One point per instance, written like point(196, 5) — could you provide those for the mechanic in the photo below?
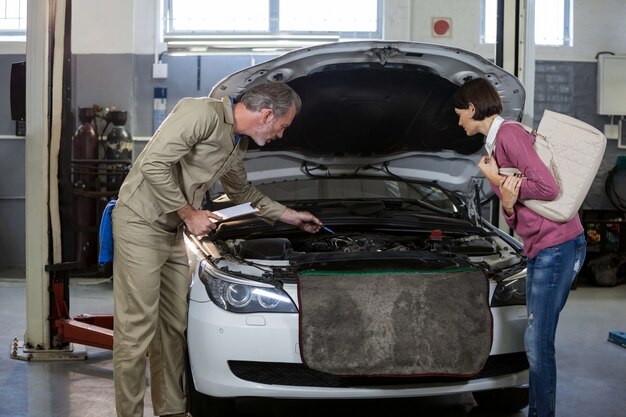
point(555, 251)
point(203, 140)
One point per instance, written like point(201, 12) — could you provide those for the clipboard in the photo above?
point(233, 212)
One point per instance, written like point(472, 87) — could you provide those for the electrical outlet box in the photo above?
point(611, 131)
point(159, 70)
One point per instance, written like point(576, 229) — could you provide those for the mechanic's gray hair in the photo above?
point(275, 95)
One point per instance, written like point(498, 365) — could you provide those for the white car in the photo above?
point(408, 291)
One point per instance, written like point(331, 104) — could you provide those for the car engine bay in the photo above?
point(370, 250)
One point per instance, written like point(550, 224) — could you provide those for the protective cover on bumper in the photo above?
point(395, 323)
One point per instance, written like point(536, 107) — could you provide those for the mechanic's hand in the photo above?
point(303, 220)
point(489, 168)
point(510, 192)
point(198, 222)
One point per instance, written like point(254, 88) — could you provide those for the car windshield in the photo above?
point(422, 195)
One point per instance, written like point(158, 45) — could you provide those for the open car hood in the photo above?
point(369, 105)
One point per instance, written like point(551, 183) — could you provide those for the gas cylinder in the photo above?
point(84, 173)
point(85, 140)
point(119, 146)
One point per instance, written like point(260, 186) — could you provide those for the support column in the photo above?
point(37, 336)
point(44, 25)
point(513, 54)
point(527, 71)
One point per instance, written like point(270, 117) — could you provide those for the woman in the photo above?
point(555, 251)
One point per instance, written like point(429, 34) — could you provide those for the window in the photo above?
point(12, 17)
point(195, 17)
point(356, 17)
point(552, 22)
point(253, 25)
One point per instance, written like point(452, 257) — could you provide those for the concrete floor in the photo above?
point(592, 371)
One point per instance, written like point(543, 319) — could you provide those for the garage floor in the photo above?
point(592, 371)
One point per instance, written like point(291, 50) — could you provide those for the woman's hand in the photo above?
point(489, 168)
point(510, 192)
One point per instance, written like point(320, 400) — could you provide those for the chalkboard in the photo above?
point(612, 85)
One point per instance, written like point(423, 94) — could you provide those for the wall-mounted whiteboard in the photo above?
point(612, 85)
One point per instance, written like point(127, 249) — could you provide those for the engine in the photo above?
point(284, 249)
point(356, 243)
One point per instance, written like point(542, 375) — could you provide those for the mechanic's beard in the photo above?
point(264, 135)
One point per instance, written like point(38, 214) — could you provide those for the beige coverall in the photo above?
point(192, 149)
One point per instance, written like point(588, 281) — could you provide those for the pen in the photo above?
point(328, 230)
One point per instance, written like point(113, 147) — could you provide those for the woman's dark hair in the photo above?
point(482, 94)
point(274, 95)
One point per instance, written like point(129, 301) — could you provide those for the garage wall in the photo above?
point(114, 44)
point(12, 201)
point(598, 26)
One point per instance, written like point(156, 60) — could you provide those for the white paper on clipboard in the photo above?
point(235, 211)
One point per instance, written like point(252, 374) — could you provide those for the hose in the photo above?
point(618, 201)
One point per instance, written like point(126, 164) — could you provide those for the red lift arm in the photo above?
point(87, 329)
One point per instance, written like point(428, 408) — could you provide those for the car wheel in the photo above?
point(502, 400)
point(201, 405)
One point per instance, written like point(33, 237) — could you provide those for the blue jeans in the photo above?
point(549, 279)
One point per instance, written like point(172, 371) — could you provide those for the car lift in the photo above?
point(87, 329)
point(50, 333)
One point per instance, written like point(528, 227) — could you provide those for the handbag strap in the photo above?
point(493, 146)
point(514, 171)
point(528, 129)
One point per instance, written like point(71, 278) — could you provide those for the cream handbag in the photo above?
point(572, 150)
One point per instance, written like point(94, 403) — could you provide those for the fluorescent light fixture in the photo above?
point(215, 44)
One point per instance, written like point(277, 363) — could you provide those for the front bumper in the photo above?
point(235, 355)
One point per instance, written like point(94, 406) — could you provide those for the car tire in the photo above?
point(201, 405)
point(502, 400)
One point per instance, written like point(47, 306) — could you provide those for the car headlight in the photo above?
point(510, 291)
point(243, 296)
